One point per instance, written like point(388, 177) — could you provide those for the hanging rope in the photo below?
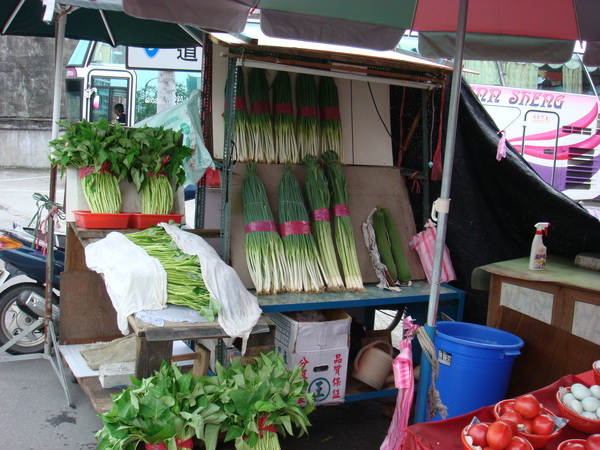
point(434, 402)
point(55, 211)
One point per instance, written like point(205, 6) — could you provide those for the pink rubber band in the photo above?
point(321, 215)
point(261, 106)
point(294, 227)
point(283, 108)
point(85, 171)
point(240, 103)
point(330, 113)
point(340, 210)
point(261, 225)
point(307, 111)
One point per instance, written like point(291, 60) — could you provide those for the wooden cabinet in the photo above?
point(563, 295)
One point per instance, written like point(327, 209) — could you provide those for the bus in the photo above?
point(549, 113)
point(97, 79)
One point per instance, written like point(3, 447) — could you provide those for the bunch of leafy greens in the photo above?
point(160, 409)
point(251, 404)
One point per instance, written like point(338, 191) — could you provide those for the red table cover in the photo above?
point(445, 434)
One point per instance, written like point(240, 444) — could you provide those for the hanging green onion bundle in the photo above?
point(307, 125)
point(300, 246)
point(331, 123)
point(241, 124)
point(344, 233)
point(283, 119)
point(318, 198)
point(265, 255)
point(101, 190)
point(261, 122)
point(185, 284)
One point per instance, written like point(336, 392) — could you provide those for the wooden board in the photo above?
point(549, 352)
point(86, 312)
point(99, 397)
point(367, 188)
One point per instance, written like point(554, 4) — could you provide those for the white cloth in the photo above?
point(134, 281)
point(239, 308)
point(172, 313)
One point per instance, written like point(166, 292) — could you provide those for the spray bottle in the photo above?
point(537, 259)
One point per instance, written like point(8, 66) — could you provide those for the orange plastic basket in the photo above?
point(575, 420)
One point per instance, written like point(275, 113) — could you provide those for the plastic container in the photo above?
point(143, 221)
point(475, 365)
point(596, 370)
point(89, 220)
point(576, 421)
point(563, 444)
point(467, 446)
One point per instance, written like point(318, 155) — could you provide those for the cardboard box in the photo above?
point(320, 348)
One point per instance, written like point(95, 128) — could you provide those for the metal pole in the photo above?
point(434, 294)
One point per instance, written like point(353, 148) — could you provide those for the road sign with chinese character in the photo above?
point(185, 59)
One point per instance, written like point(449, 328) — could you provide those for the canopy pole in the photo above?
point(434, 293)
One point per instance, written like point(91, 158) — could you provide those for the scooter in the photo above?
point(22, 286)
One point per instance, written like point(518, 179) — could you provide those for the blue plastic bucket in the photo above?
point(475, 365)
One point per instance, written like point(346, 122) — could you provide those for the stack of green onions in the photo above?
point(300, 246)
point(157, 195)
point(342, 225)
point(265, 254)
point(261, 139)
point(319, 199)
point(331, 124)
point(241, 124)
point(101, 190)
point(307, 123)
point(283, 119)
point(185, 284)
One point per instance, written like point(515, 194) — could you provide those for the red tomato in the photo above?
point(512, 415)
point(478, 432)
point(499, 435)
point(528, 426)
point(511, 424)
point(517, 443)
point(528, 406)
point(508, 406)
point(575, 446)
point(592, 442)
point(543, 424)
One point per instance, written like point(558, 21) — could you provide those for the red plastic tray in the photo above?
point(143, 221)
point(87, 219)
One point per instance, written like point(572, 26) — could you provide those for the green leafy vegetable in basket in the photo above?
point(185, 284)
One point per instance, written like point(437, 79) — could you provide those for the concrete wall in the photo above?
point(27, 86)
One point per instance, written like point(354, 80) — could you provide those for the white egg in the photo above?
point(576, 385)
point(595, 390)
point(576, 406)
point(589, 415)
point(580, 392)
point(598, 412)
point(590, 404)
point(568, 398)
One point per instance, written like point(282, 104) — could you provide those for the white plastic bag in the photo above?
point(134, 281)
point(239, 308)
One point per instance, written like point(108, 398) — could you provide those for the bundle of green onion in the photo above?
point(157, 195)
point(344, 232)
point(241, 124)
point(265, 255)
point(261, 139)
point(331, 124)
point(283, 119)
point(101, 190)
point(319, 199)
point(300, 246)
point(185, 284)
point(307, 123)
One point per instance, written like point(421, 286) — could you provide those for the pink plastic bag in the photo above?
point(424, 244)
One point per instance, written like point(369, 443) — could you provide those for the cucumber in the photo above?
point(382, 244)
point(396, 247)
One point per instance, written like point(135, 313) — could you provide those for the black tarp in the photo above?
point(495, 204)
